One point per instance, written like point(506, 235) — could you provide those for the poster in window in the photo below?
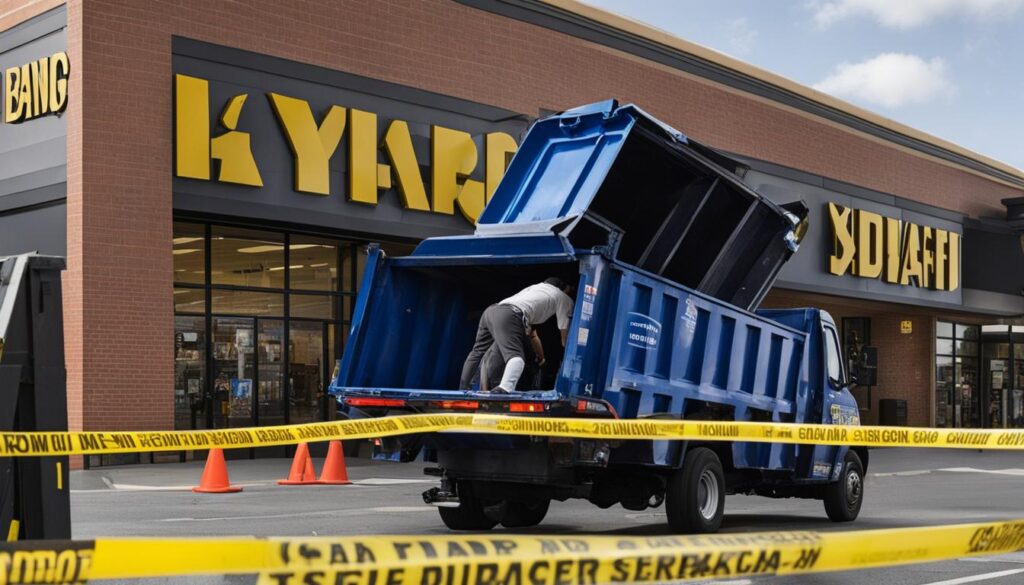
point(241, 397)
point(243, 338)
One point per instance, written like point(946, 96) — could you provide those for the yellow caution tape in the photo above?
point(13, 444)
point(511, 559)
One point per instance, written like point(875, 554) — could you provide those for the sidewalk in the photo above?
point(245, 472)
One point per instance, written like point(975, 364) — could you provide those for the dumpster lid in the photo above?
point(614, 176)
point(564, 161)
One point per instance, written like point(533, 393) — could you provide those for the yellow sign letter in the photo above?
point(312, 147)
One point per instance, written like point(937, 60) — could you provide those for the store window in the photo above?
point(257, 318)
point(959, 400)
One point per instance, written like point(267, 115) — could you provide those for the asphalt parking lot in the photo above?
point(905, 488)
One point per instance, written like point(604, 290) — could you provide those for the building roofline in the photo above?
point(623, 33)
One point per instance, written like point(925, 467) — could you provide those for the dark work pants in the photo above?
point(502, 327)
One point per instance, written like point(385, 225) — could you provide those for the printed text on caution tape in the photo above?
point(14, 444)
point(511, 559)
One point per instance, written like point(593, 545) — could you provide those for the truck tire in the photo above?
point(470, 513)
point(525, 514)
point(695, 498)
point(844, 497)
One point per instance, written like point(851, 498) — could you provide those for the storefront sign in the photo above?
point(315, 139)
point(36, 89)
point(870, 245)
point(906, 326)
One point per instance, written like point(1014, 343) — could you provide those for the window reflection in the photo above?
point(313, 306)
point(189, 253)
point(313, 263)
point(189, 300)
point(245, 302)
point(244, 257)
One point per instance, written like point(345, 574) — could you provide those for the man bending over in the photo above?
point(507, 324)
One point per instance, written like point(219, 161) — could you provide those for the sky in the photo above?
point(952, 68)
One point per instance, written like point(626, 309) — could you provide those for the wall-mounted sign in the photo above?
point(870, 245)
point(225, 153)
point(36, 89)
point(906, 326)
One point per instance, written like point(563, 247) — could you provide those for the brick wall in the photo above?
point(118, 284)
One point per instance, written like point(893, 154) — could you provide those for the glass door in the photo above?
point(234, 367)
point(306, 371)
point(189, 372)
point(271, 372)
point(1015, 409)
point(967, 376)
point(997, 382)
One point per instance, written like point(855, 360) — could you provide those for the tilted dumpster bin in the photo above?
point(671, 252)
point(34, 491)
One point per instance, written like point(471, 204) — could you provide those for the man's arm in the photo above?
point(538, 347)
point(565, 335)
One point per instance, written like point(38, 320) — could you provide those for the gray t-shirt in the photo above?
point(539, 302)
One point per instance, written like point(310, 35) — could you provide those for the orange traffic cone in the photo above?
point(334, 472)
point(302, 472)
point(215, 476)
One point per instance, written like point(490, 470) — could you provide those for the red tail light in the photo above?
point(584, 406)
point(526, 407)
point(456, 404)
point(374, 402)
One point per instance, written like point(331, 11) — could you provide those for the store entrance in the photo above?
point(247, 372)
point(307, 372)
point(1002, 355)
point(246, 360)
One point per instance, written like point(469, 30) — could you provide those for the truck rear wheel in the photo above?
point(844, 497)
point(525, 514)
point(695, 498)
point(471, 512)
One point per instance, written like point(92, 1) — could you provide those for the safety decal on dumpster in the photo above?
point(512, 559)
point(690, 316)
point(642, 331)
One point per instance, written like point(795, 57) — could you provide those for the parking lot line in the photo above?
point(976, 578)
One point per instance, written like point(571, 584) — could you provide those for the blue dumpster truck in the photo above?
point(671, 253)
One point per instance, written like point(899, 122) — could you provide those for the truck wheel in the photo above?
point(695, 498)
point(470, 513)
point(525, 514)
point(844, 497)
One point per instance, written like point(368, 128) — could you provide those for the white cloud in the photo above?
point(741, 36)
point(905, 14)
point(890, 80)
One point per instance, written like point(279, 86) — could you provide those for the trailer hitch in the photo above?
point(443, 499)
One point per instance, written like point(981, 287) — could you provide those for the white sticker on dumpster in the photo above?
point(691, 315)
point(584, 335)
point(642, 331)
